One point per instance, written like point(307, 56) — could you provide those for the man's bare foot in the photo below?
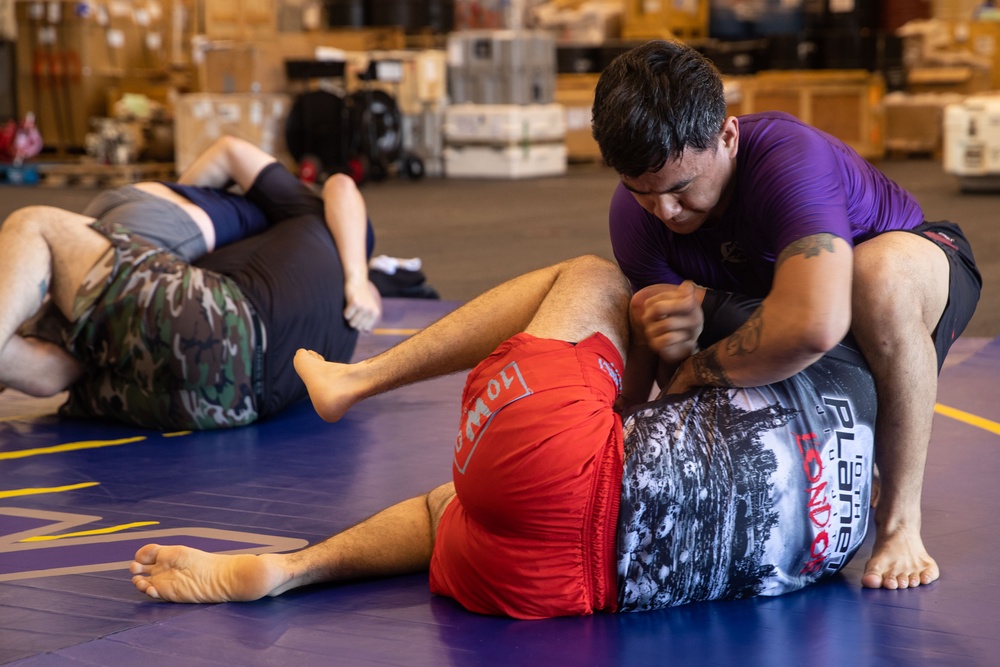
point(899, 561)
point(329, 385)
point(183, 574)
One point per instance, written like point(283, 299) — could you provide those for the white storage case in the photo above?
point(423, 136)
point(528, 160)
point(504, 123)
point(972, 137)
point(501, 67)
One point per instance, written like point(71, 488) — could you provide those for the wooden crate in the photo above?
point(237, 19)
point(914, 124)
point(576, 93)
point(238, 66)
point(69, 55)
point(844, 103)
point(665, 19)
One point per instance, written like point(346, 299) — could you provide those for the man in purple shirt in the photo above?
point(768, 206)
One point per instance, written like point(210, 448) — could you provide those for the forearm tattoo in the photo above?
point(810, 246)
point(43, 289)
point(708, 371)
point(746, 339)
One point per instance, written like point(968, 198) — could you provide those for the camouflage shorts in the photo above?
point(165, 345)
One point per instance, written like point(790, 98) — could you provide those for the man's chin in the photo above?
point(684, 227)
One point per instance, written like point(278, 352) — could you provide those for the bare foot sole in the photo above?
point(183, 574)
point(899, 561)
point(327, 384)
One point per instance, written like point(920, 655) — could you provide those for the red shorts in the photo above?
point(537, 471)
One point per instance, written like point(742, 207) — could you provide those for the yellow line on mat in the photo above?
point(968, 418)
point(68, 447)
point(394, 332)
point(86, 533)
point(13, 493)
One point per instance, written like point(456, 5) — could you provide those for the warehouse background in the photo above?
point(468, 122)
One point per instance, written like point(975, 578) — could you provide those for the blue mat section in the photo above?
point(295, 479)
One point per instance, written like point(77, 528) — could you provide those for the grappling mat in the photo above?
point(78, 498)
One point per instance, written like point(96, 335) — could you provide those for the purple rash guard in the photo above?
point(791, 181)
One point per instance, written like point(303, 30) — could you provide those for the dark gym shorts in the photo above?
point(964, 287)
point(156, 219)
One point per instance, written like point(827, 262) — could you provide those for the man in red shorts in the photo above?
point(553, 508)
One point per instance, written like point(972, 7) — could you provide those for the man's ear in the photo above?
point(731, 136)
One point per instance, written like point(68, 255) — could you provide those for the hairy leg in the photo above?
point(568, 301)
point(901, 289)
point(398, 540)
point(43, 250)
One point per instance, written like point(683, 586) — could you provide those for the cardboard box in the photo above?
point(229, 67)
point(234, 66)
point(914, 123)
point(201, 118)
point(238, 19)
point(665, 19)
point(982, 38)
point(962, 79)
point(576, 93)
point(417, 79)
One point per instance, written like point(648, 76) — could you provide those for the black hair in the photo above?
point(654, 101)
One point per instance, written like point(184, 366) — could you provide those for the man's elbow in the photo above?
point(339, 186)
point(819, 337)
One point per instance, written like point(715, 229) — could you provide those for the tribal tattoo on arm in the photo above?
point(810, 246)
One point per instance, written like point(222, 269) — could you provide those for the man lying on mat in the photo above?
point(156, 341)
point(557, 509)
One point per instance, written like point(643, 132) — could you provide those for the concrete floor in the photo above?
point(473, 234)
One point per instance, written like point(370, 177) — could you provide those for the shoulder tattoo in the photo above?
point(810, 246)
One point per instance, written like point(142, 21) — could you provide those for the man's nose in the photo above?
point(666, 207)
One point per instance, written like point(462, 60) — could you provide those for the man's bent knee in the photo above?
point(29, 217)
point(899, 276)
point(596, 268)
